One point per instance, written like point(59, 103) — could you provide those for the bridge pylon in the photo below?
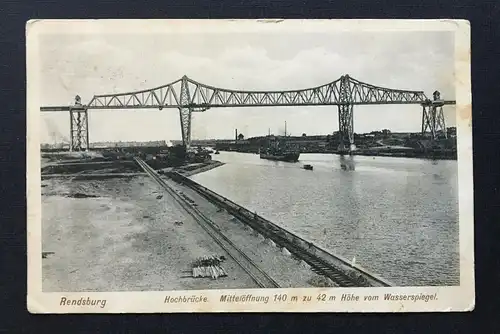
point(346, 117)
point(79, 126)
point(185, 112)
point(433, 117)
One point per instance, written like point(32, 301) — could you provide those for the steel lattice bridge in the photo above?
point(190, 96)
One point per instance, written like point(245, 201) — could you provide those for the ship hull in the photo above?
point(289, 157)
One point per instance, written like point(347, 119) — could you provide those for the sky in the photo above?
point(95, 64)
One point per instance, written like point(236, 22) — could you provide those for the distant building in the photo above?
point(56, 146)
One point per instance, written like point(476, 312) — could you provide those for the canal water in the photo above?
point(397, 217)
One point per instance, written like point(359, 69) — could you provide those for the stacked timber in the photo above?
point(209, 266)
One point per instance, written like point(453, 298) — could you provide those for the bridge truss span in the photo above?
point(188, 96)
point(204, 96)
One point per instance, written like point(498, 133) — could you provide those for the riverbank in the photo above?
point(405, 153)
point(104, 232)
point(194, 169)
point(80, 165)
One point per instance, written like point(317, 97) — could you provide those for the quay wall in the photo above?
point(275, 232)
point(213, 164)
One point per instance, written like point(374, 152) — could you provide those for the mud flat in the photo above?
point(123, 235)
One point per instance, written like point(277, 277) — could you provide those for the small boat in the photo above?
point(217, 152)
point(308, 167)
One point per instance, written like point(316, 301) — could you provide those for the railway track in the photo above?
point(261, 278)
point(318, 265)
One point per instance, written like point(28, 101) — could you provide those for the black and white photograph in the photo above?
point(268, 165)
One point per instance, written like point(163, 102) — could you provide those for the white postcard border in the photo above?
point(458, 298)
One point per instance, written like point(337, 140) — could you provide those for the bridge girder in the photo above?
point(190, 96)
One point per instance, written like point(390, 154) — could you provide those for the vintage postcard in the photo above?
point(249, 166)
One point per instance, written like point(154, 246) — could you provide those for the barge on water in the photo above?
point(279, 148)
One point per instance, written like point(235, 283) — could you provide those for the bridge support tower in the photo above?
point(433, 117)
point(185, 112)
point(346, 129)
point(79, 126)
point(346, 117)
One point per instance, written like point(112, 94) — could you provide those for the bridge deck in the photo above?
point(155, 106)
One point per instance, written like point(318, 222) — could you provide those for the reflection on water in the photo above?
point(347, 163)
point(398, 217)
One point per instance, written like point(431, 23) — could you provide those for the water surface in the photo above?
point(398, 217)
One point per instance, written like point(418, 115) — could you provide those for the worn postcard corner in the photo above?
point(236, 166)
